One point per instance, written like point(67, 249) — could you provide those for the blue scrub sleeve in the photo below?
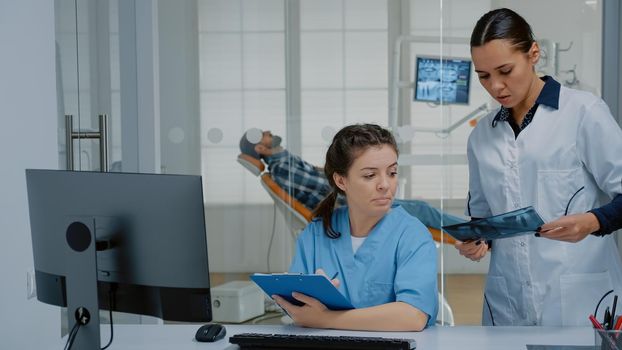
point(415, 279)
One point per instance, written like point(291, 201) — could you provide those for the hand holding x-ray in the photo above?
point(511, 224)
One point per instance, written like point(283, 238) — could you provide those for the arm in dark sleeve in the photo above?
point(603, 161)
point(609, 216)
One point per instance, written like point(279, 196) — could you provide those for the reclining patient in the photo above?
point(309, 185)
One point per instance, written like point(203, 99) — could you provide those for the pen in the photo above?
point(595, 323)
point(607, 318)
point(335, 275)
point(613, 311)
point(616, 328)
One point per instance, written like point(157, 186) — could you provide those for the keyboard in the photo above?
point(293, 341)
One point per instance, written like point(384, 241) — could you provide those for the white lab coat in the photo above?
point(566, 161)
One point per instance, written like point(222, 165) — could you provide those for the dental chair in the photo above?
point(296, 215)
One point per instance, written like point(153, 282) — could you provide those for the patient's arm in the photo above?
point(396, 316)
point(427, 214)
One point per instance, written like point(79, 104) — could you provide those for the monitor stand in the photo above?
point(81, 282)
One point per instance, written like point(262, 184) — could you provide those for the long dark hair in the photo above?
point(505, 24)
point(347, 145)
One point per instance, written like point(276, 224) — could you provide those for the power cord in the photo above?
point(111, 305)
point(271, 237)
point(83, 317)
point(266, 316)
point(72, 336)
point(270, 305)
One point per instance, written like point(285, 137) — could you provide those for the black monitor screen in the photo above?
point(442, 81)
point(148, 241)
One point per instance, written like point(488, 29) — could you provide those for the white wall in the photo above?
point(28, 139)
point(579, 22)
point(238, 238)
point(180, 143)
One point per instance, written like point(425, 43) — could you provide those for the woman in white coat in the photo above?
point(553, 148)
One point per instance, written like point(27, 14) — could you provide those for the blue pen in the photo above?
point(335, 275)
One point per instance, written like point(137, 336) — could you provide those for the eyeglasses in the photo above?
point(609, 317)
point(600, 301)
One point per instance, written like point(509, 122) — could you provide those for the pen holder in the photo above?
point(608, 340)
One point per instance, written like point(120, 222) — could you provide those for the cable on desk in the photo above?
point(267, 316)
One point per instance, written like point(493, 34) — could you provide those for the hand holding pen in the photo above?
point(334, 280)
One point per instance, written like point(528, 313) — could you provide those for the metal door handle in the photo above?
point(101, 135)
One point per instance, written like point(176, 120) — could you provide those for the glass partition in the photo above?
point(88, 80)
point(183, 83)
point(304, 69)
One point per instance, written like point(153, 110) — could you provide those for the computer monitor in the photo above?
point(442, 81)
point(125, 242)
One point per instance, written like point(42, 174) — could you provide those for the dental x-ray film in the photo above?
point(511, 224)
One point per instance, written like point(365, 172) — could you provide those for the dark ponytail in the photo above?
point(324, 211)
point(347, 145)
point(505, 24)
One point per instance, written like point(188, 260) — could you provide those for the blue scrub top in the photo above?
point(397, 261)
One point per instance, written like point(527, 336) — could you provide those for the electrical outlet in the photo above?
point(31, 284)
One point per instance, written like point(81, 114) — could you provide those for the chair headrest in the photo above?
point(253, 165)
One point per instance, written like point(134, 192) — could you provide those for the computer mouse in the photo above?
point(210, 332)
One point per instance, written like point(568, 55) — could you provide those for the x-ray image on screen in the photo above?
point(447, 82)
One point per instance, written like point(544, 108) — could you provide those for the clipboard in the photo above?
point(511, 224)
point(316, 286)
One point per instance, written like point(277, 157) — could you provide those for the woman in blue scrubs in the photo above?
point(556, 149)
point(384, 259)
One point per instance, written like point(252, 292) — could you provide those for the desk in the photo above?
point(161, 337)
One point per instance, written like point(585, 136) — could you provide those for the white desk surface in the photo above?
point(181, 337)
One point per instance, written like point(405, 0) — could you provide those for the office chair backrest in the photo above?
point(445, 315)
